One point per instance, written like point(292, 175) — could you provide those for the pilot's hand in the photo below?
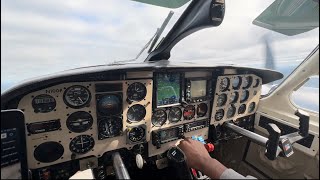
point(196, 154)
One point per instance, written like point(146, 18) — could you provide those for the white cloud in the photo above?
point(41, 37)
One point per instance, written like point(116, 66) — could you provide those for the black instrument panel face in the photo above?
point(77, 96)
point(91, 118)
point(136, 91)
point(43, 103)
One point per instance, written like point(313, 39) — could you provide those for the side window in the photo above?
point(307, 96)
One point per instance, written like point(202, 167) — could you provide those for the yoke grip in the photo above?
point(303, 122)
point(273, 141)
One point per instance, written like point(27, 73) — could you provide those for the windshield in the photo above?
point(43, 37)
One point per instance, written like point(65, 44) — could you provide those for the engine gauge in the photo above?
point(247, 81)
point(252, 106)
point(159, 117)
point(202, 109)
point(175, 114)
point(136, 91)
point(81, 144)
point(236, 83)
point(109, 127)
point(136, 134)
point(222, 99)
point(79, 121)
point(231, 111)
point(136, 113)
point(234, 97)
point(43, 103)
point(242, 109)
point(224, 84)
point(244, 96)
point(188, 112)
point(219, 115)
point(77, 96)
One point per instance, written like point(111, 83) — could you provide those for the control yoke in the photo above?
point(275, 143)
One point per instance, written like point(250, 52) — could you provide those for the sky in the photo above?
point(43, 37)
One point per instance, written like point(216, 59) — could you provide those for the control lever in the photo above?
point(177, 160)
point(273, 141)
point(276, 144)
point(119, 167)
point(303, 122)
point(209, 147)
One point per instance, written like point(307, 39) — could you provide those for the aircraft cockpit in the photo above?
point(124, 121)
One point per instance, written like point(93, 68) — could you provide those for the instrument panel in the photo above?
point(81, 119)
point(89, 118)
point(236, 96)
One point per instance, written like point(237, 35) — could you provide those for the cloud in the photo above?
point(42, 37)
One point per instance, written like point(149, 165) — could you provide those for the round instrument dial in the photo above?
point(219, 115)
point(236, 82)
point(110, 127)
point(159, 117)
point(231, 111)
point(234, 97)
point(136, 113)
point(175, 114)
point(79, 121)
point(48, 152)
point(222, 99)
point(224, 84)
point(136, 91)
point(136, 134)
point(43, 103)
point(252, 106)
point(244, 96)
point(247, 81)
point(188, 112)
point(202, 109)
point(81, 144)
point(77, 96)
point(242, 109)
point(109, 104)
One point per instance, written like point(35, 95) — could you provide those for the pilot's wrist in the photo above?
point(213, 168)
point(206, 163)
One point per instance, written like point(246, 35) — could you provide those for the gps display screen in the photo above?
point(168, 89)
point(198, 88)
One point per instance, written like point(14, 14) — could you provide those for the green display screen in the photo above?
point(168, 89)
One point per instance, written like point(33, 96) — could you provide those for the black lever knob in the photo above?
point(177, 159)
point(273, 141)
point(303, 122)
